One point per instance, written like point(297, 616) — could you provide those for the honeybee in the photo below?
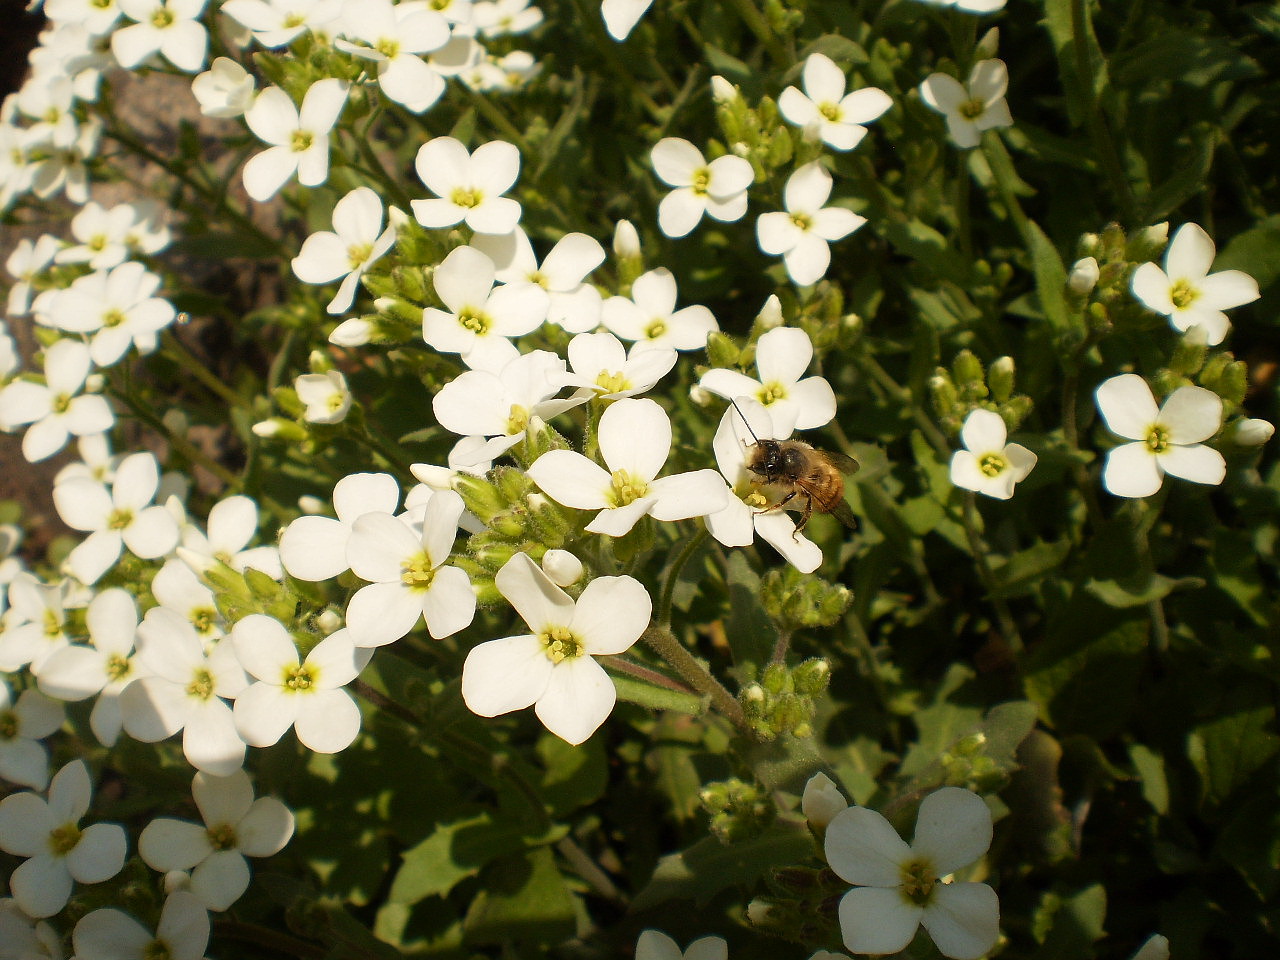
point(802, 470)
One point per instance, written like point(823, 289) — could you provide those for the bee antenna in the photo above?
point(745, 422)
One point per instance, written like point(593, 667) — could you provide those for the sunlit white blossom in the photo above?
point(355, 243)
point(650, 316)
point(469, 187)
point(794, 402)
point(801, 235)
point(825, 111)
point(171, 28)
point(972, 107)
point(298, 137)
point(988, 464)
point(718, 188)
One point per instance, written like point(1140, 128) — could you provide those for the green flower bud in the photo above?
point(811, 677)
point(1190, 354)
point(1147, 244)
point(1000, 377)
point(946, 398)
point(775, 679)
point(722, 351)
point(484, 498)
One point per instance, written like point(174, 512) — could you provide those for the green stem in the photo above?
point(191, 364)
point(1103, 145)
point(979, 550)
point(1071, 428)
point(184, 446)
point(669, 587)
point(903, 396)
point(759, 25)
point(669, 647)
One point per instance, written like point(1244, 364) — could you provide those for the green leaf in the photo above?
point(575, 776)
point(1150, 767)
point(1250, 842)
point(709, 866)
point(940, 724)
point(1256, 251)
point(1067, 925)
point(1023, 571)
point(1240, 739)
point(1190, 173)
point(524, 897)
point(1157, 586)
point(1083, 88)
point(1051, 278)
point(455, 851)
point(750, 630)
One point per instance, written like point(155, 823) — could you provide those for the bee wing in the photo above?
point(844, 514)
point(846, 465)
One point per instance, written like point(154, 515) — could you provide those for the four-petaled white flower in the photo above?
point(23, 724)
point(468, 186)
point(356, 241)
point(747, 511)
point(571, 302)
point(656, 945)
point(650, 315)
point(326, 396)
point(1186, 292)
point(276, 22)
point(718, 188)
point(394, 37)
point(603, 368)
point(184, 691)
point(224, 90)
point(58, 851)
point(77, 672)
point(801, 235)
point(900, 887)
point(168, 27)
point(635, 439)
point(972, 107)
point(782, 356)
point(36, 624)
point(235, 826)
point(299, 137)
point(988, 464)
point(56, 410)
point(110, 934)
point(480, 318)
point(1167, 439)
point(306, 694)
point(825, 111)
point(233, 521)
point(117, 518)
point(553, 668)
point(408, 573)
point(116, 308)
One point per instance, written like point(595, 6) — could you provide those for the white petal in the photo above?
point(540, 603)
point(265, 829)
point(963, 919)
point(863, 848)
point(1127, 406)
point(1191, 414)
point(635, 436)
point(578, 697)
point(675, 161)
point(500, 676)
point(100, 853)
point(953, 829)
point(167, 844)
point(41, 885)
point(379, 546)
point(611, 614)
point(685, 495)
point(1190, 254)
point(778, 530)
point(263, 713)
point(571, 479)
point(1131, 471)
point(328, 721)
point(876, 920)
point(382, 613)
point(314, 548)
point(220, 880)
point(1197, 463)
point(108, 934)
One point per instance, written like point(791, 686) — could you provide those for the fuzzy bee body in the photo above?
point(802, 470)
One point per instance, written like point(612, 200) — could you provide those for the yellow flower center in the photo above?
point(157, 949)
point(803, 221)
point(1183, 294)
point(63, 839)
point(612, 382)
point(466, 196)
point(203, 619)
point(201, 685)
point(52, 625)
point(358, 253)
point(560, 644)
point(656, 328)
point(993, 464)
point(120, 518)
point(475, 320)
point(161, 18)
point(222, 836)
point(118, 667)
point(918, 881)
point(9, 725)
point(829, 110)
point(301, 141)
point(701, 181)
point(627, 488)
point(1157, 438)
point(771, 393)
point(388, 47)
point(517, 420)
point(113, 318)
point(418, 572)
point(972, 109)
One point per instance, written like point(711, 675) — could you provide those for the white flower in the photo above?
point(98, 16)
point(822, 801)
point(56, 409)
point(104, 668)
point(801, 235)
point(1186, 292)
point(1167, 440)
point(116, 308)
point(656, 945)
point(235, 826)
point(232, 523)
point(899, 887)
point(28, 260)
point(782, 356)
point(176, 587)
point(718, 188)
point(299, 137)
point(635, 439)
point(395, 37)
point(9, 359)
point(326, 396)
point(553, 668)
point(1251, 432)
point(108, 236)
point(603, 369)
point(23, 724)
point(48, 101)
point(184, 691)
point(23, 938)
point(35, 626)
point(357, 240)
point(626, 241)
point(409, 577)
point(970, 6)
point(276, 22)
point(291, 692)
point(224, 90)
point(571, 302)
point(650, 315)
point(824, 111)
point(66, 169)
point(480, 318)
point(497, 18)
point(58, 851)
point(115, 519)
point(315, 548)
point(973, 107)
point(469, 186)
point(501, 405)
point(747, 511)
point(621, 16)
point(169, 27)
point(110, 934)
point(987, 464)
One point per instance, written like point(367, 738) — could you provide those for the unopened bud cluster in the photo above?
point(967, 764)
point(738, 810)
point(797, 601)
point(782, 700)
point(968, 386)
point(1098, 283)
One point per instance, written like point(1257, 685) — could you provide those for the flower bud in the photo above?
point(770, 314)
point(722, 351)
point(821, 801)
point(1000, 377)
point(626, 242)
point(1084, 276)
point(988, 46)
point(966, 370)
point(484, 499)
point(1148, 244)
point(330, 621)
point(701, 396)
point(312, 505)
point(722, 91)
point(1251, 432)
point(562, 567)
point(352, 333)
point(811, 677)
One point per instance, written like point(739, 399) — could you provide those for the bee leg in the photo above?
point(804, 517)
